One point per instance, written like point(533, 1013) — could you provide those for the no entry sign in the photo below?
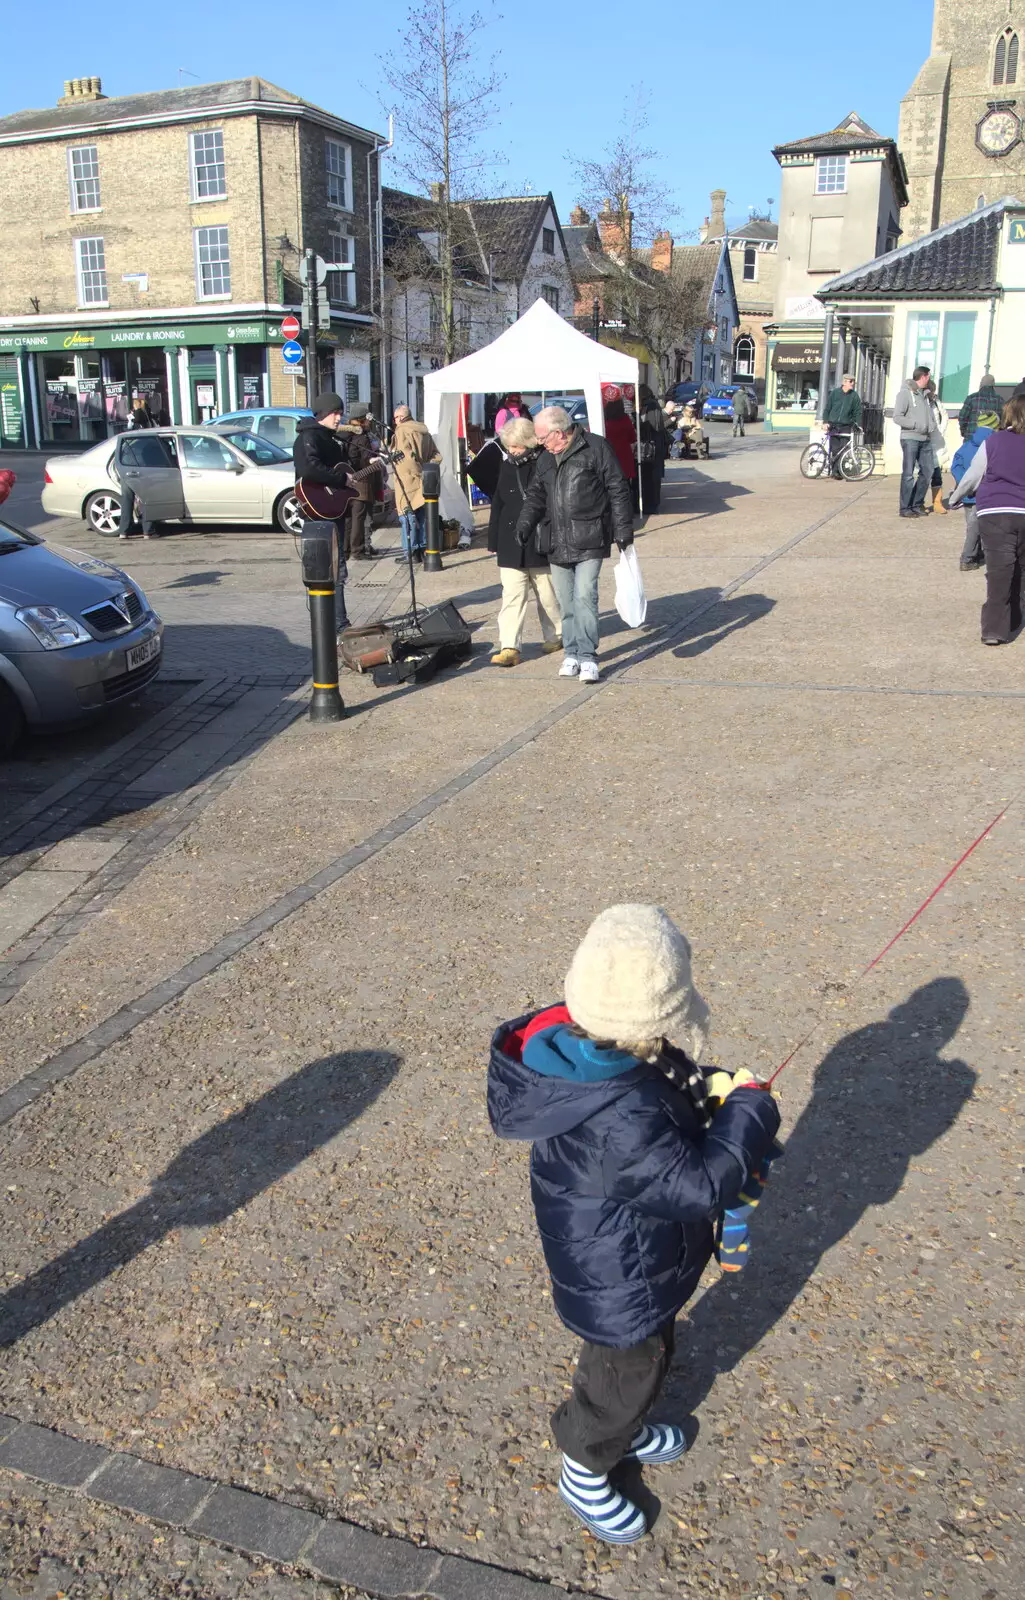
point(290, 327)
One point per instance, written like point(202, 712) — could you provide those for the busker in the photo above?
point(361, 448)
point(971, 553)
point(578, 487)
point(319, 455)
point(631, 1167)
point(416, 446)
point(913, 415)
point(997, 478)
point(523, 568)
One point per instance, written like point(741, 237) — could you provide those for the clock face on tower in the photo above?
point(998, 132)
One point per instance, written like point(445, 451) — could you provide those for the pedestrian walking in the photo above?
point(997, 478)
point(522, 568)
point(940, 454)
point(630, 1170)
point(982, 409)
point(654, 438)
point(416, 446)
point(579, 488)
point(357, 439)
point(140, 415)
point(971, 553)
point(841, 416)
point(320, 456)
point(740, 410)
point(914, 417)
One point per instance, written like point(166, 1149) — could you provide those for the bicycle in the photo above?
point(855, 461)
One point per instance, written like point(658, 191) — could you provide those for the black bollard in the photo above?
point(320, 575)
point(430, 481)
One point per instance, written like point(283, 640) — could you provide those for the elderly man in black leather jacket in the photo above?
point(579, 488)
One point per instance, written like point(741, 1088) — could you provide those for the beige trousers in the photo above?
point(517, 584)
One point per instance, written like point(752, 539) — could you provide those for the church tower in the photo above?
point(962, 122)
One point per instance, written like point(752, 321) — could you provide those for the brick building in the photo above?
point(753, 247)
point(152, 245)
point(962, 123)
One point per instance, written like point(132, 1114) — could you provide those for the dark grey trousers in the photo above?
point(613, 1390)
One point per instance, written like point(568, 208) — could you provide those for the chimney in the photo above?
point(437, 193)
point(662, 252)
point(717, 221)
point(611, 230)
point(76, 90)
point(579, 217)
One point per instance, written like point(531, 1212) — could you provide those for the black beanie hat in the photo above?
point(324, 404)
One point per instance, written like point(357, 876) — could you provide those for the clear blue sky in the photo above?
point(725, 81)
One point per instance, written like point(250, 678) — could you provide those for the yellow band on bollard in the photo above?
point(320, 591)
point(326, 685)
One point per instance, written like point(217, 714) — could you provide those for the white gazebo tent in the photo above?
point(541, 351)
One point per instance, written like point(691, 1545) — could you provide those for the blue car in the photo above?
point(276, 423)
point(719, 405)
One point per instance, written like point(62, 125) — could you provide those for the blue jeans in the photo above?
point(576, 589)
point(917, 452)
point(414, 529)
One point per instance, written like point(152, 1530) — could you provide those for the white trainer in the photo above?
point(589, 672)
point(570, 667)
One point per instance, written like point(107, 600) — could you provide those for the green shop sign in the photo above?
point(81, 340)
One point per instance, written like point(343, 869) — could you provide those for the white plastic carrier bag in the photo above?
point(630, 599)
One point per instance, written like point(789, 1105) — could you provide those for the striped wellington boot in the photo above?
point(657, 1442)
point(600, 1507)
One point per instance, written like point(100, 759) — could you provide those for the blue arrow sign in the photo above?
point(291, 353)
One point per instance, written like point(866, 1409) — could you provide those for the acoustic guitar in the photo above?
point(329, 502)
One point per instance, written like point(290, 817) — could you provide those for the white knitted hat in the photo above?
point(630, 979)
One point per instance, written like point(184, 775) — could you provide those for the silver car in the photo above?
point(188, 475)
point(76, 635)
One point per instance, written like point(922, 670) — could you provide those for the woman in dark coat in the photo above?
point(654, 449)
point(523, 569)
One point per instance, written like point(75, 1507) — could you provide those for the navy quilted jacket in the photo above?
point(625, 1184)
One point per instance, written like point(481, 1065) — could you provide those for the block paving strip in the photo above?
point(342, 1552)
point(121, 1023)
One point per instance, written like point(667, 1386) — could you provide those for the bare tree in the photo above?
point(668, 309)
point(442, 99)
point(622, 185)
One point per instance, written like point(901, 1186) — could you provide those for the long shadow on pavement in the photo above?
point(882, 1096)
point(717, 622)
point(215, 1176)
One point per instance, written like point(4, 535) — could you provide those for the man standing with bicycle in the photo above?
point(842, 415)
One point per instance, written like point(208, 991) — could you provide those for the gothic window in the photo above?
point(1005, 62)
point(744, 357)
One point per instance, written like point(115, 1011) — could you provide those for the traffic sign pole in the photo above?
point(311, 336)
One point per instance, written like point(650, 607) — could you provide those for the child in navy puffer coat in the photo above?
point(629, 1174)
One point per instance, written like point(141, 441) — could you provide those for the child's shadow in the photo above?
point(881, 1097)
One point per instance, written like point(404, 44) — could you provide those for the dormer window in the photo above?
point(831, 175)
point(1005, 62)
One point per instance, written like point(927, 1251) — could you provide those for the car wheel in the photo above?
point(288, 514)
point(103, 512)
point(12, 721)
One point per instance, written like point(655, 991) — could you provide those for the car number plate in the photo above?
point(139, 654)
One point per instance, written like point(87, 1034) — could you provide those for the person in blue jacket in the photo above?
point(631, 1171)
point(971, 555)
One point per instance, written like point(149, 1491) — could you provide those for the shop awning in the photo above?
point(797, 357)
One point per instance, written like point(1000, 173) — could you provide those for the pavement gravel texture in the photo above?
point(268, 1237)
point(61, 1548)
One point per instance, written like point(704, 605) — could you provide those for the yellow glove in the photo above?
point(721, 1085)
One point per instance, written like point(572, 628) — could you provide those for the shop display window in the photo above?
point(797, 391)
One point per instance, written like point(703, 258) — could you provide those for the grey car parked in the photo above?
point(76, 635)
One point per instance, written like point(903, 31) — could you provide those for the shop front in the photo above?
point(73, 386)
point(792, 379)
